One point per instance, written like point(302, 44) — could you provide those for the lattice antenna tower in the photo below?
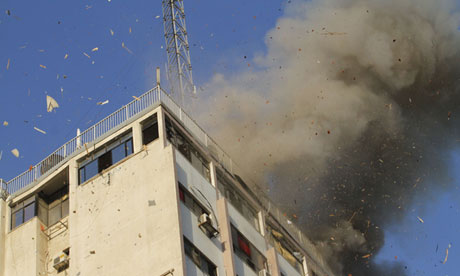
point(177, 48)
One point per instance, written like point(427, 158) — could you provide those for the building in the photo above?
point(145, 192)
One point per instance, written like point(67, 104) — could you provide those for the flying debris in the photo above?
point(136, 98)
point(111, 32)
point(420, 219)
point(102, 103)
point(15, 152)
point(66, 56)
point(86, 55)
point(95, 49)
point(8, 64)
point(51, 103)
point(39, 130)
point(43, 66)
point(126, 48)
point(5, 123)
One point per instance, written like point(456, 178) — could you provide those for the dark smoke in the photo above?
point(349, 118)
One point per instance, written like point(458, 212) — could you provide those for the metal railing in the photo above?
point(129, 111)
point(62, 154)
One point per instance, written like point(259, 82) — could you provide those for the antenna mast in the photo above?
point(177, 49)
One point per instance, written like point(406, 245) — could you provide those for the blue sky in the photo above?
point(221, 35)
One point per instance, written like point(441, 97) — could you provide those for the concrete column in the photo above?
point(161, 127)
point(226, 236)
point(272, 260)
point(137, 137)
point(3, 229)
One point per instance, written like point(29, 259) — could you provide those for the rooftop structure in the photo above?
point(146, 191)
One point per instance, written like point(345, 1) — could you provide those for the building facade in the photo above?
point(145, 192)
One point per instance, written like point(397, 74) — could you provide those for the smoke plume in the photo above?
point(347, 118)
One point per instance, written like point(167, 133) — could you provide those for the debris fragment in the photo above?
point(15, 152)
point(136, 98)
point(43, 66)
point(66, 56)
point(92, 252)
point(95, 49)
point(51, 103)
point(366, 256)
point(130, 30)
point(448, 115)
point(39, 130)
point(420, 219)
point(126, 48)
point(447, 255)
point(102, 103)
point(86, 55)
point(8, 64)
point(157, 16)
point(5, 123)
point(111, 32)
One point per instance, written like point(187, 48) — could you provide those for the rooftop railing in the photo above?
point(130, 112)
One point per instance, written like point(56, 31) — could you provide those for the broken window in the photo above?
point(199, 259)
point(187, 149)
point(191, 202)
point(236, 199)
point(247, 252)
point(149, 130)
point(285, 248)
point(23, 212)
point(105, 157)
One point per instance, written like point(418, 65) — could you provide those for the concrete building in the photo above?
point(145, 192)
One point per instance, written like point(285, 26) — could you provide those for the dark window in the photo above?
point(200, 260)
point(187, 149)
point(247, 252)
point(117, 151)
point(56, 206)
point(23, 212)
point(189, 200)
point(104, 161)
point(149, 130)
point(236, 199)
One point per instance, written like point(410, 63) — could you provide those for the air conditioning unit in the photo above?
point(61, 262)
point(264, 272)
point(205, 223)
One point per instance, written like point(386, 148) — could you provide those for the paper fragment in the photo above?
point(126, 48)
point(95, 49)
point(51, 103)
point(43, 66)
point(157, 16)
point(39, 130)
point(447, 255)
point(15, 152)
point(104, 102)
point(366, 256)
point(86, 55)
point(8, 64)
point(111, 32)
point(420, 219)
point(5, 123)
point(136, 98)
point(130, 30)
point(66, 56)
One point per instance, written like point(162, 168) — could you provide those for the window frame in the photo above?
point(125, 140)
point(21, 207)
point(192, 252)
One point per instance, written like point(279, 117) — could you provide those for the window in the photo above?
point(23, 212)
point(149, 130)
point(247, 252)
point(199, 259)
point(235, 198)
point(105, 157)
point(189, 200)
point(187, 149)
point(285, 248)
